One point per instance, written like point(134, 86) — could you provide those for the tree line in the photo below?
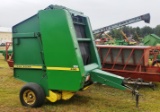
point(135, 33)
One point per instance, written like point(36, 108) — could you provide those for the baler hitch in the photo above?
point(113, 80)
point(138, 82)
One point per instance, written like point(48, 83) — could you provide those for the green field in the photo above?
point(97, 98)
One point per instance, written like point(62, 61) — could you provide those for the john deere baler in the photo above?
point(55, 53)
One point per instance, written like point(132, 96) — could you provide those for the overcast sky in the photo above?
point(101, 12)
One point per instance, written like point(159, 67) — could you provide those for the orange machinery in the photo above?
point(131, 61)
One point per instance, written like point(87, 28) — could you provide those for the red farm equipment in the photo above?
point(131, 61)
point(8, 54)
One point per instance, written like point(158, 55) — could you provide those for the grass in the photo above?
point(97, 98)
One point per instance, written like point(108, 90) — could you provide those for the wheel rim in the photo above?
point(29, 97)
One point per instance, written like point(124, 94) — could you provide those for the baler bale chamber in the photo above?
point(55, 53)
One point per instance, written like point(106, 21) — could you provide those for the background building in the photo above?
point(5, 35)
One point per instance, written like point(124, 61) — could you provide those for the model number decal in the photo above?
point(75, 69)
point(27, 66)
point(63, 68)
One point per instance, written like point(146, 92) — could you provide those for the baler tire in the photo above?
point(156, 62)
point(32, 95)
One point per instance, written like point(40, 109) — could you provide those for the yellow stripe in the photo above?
point(48, 68)
point(63, 68)
point(28, 66)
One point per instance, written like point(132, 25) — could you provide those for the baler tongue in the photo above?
point(107, 78)
point(99, 76)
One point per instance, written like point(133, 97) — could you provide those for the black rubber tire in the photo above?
point(155, 62)
point(37, 92)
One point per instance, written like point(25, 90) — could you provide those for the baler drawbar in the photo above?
point(55, 53)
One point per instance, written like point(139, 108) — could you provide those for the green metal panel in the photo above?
point(32, 75)
point(64, 80)
point(60, 49)
point(107, 79)
point(27, 51)
point(29, 25)
point(151, 40)
point(58, 39)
